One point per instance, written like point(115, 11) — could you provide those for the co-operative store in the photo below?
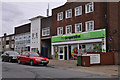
point(67, 47)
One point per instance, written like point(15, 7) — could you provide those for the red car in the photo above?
point(32, 58)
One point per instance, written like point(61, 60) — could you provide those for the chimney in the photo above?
point(48, 10)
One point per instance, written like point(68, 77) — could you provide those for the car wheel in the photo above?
point(31, 62)
point(19, 62)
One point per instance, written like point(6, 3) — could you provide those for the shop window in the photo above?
point(89, 25)
point(69, 13)
point(89, 7)
point(89, 47)
point(60, 16)
point(78, 11)
point(97, 47)
point(60, 30)
point(69, 29)
point(74, 52)
point(78, 27)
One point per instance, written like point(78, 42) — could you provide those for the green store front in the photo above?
point(67, 47)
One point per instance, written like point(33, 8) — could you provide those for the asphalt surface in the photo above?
point(15, 70)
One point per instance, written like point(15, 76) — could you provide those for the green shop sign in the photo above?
point(85, 35)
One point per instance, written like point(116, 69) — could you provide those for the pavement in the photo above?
point(107, 70)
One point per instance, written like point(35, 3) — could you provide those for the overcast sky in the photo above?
point(18, 13)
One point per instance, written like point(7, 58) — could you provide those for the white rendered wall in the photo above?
point(35, 28)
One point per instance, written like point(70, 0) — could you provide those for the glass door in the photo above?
point(61, 53)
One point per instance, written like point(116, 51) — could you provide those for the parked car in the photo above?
point(32, 58)
point(9, 56)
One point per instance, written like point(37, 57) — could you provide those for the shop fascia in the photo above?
point(96, 36)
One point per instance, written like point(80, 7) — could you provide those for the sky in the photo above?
point(17, 12)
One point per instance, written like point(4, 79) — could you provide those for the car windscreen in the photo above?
point(13, 53)
point(34, 54)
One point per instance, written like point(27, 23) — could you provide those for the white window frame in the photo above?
point(70, 11)
point(80, 25)
point(86, 24)
point(7, 38)
point(79, 10)
point(12, 37)
point(46, 30)
point(12, 45)
point(7, 46)
point(61, 31)
point(68, 28)
point(88, 6)
point(59, 16)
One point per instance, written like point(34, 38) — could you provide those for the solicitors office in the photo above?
point(67, 47)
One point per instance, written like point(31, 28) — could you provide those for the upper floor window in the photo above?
point(78, 27)
point(32, 35)
point(59, 16)
point(36, 35)
point(59, 30)
point(89, 25)
point(78, 11)
point(7, 38)
point(7, 46)
point(69, 13)
point(69, 29)
point(89, 7)
point(46, 31)
point(12, 37)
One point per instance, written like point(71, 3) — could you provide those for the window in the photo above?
point(36, 35)
point(12, 37)
point(60, 30)
point(78, 11)
point(45, 31)
point(26, 54)
point(89, 7)
point(7, 38)
point(69, 29)
point(32, 35)
point(7, 46)
point(23, 54)
point(78, 27)
point(69, 13)
point(59, 16)
point(12, 46)
point(89, 25)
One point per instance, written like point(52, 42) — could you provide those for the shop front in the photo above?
point(67, 47)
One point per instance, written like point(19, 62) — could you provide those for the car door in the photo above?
point(22, 57)
point(27, 57)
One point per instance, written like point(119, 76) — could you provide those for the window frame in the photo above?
point(86, 6)
point(58, 29)
point(67, 13)
point(77, 26)
point(46, 30)
point(89, 25)
point(69, 28)
point(80, 10)
point(59, 18)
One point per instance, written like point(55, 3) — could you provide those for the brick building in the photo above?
point(7, 42)
point(46, 26)
point(84, 26)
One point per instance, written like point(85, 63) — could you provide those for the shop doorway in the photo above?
point(61, 53)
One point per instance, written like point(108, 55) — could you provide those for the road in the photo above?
point(14, 70)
